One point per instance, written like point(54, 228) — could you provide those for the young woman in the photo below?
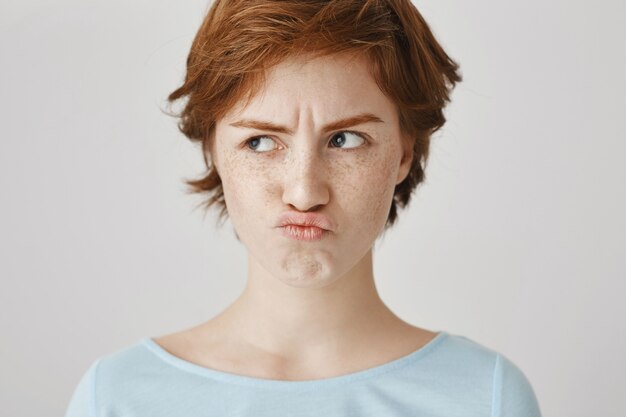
point(315, 119)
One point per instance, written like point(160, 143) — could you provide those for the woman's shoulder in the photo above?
point(108, 377)
point(468, 345)
point(466, 354)
point(467, 350)
point(135, 375)
point(510, 389)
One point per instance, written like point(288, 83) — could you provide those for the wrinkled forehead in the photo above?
point(327, 87)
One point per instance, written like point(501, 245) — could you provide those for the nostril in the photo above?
point(315, 208)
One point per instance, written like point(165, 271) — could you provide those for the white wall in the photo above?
point(516, 240)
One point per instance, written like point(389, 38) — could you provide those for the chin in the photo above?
point(306, 273)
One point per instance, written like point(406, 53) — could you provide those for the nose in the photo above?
point(305, 185)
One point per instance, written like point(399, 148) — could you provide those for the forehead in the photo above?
point(326, 88)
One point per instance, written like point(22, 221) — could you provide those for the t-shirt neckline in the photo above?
point(286, 384)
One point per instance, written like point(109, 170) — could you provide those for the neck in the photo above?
point(296, 322)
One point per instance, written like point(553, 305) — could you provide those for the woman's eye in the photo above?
point(261, 144)
point(343, 140)
point(347, 140)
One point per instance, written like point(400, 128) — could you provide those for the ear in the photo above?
point(407, 158)
point(210, 149)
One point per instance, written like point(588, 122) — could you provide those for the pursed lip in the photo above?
point(305, 219)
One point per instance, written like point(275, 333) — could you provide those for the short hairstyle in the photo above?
point(239, 40)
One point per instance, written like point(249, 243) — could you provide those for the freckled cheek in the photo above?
point(247, 188)
point(378, 198)
point(368, 190)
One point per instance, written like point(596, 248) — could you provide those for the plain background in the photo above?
point(516, 239)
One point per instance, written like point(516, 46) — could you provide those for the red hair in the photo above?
point(239, 40)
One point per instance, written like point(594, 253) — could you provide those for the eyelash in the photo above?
point(361, 135)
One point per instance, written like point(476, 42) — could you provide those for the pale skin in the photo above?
point(310, 310)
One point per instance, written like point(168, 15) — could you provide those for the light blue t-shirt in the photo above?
point(451, 376)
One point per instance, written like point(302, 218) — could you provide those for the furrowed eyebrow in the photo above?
point(336, 125)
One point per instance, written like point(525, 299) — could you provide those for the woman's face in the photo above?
point(281, 154)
